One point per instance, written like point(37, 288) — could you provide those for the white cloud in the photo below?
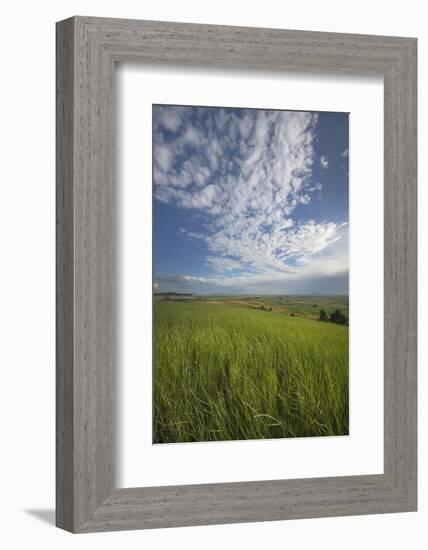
point(163, 158)
point(190, 234)
point(345, 153)
point(170, 118)
point(222, 263)
point(192, 279)
point(328, 267)
point(323, 161)
point(308, 239)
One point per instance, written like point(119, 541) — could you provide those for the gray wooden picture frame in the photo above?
point(87, 50)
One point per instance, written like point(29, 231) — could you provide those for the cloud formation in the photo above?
point(243, 173)
point(323, 161)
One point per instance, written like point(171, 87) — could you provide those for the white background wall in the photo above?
point(27, 272)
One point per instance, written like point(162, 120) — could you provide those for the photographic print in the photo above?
point(250, 274)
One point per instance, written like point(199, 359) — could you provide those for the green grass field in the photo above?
point(226, 370)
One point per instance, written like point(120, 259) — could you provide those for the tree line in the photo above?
point(336, 317)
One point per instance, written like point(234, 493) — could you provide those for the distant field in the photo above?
point(302, 306)
point(226, 369)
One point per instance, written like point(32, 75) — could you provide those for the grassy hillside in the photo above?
point(227, 370)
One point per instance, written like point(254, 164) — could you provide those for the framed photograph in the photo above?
point(246, 208)
point(236, 274)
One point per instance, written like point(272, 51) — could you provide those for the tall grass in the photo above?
point(227, 373)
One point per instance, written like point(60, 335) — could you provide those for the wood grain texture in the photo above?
point(64, 276)
point(87, 49)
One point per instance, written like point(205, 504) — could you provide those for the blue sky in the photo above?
point(250, 201)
